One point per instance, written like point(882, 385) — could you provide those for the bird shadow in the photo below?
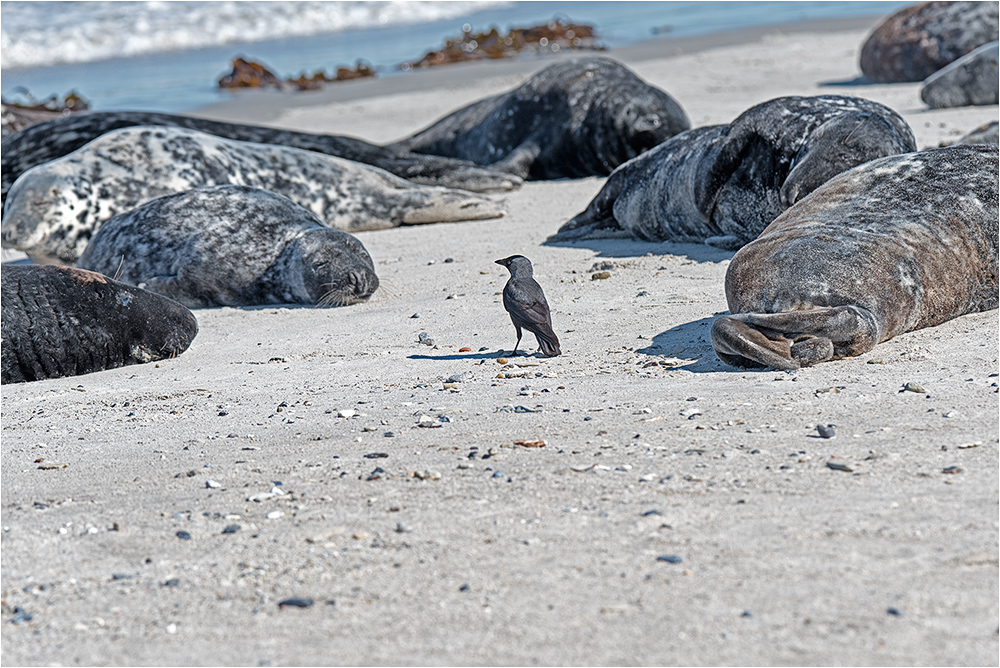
point(485, 355)
point(628, 247)
point(690, 340)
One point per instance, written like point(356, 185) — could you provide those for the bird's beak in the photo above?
point(498, 262)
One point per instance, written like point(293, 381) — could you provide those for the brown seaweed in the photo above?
point(249, 74)
point(550, 37)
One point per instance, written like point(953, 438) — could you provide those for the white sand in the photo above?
point(554, 561)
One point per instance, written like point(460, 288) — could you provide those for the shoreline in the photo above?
point(265, 106)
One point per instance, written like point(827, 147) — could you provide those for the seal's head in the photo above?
point(628, 119)
point(331, 268)
point(842, 143)
point(41, 215)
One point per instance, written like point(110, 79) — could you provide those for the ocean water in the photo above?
point(167, 56)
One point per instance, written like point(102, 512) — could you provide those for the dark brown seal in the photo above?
point(580, 117)
point(62, 321)
point(891, 246)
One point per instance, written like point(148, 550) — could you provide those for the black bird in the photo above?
point(524, 300)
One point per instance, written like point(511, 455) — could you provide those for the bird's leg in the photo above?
point(516, 344)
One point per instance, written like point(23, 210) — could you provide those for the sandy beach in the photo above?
point(681, 512)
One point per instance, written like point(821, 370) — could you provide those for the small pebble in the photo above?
point(232, 528)
point(460, 377)
point(425, 339)
point(839, 466)
point(953, 469)
point(746, 613)
point(415, 315)
point(465, 349)
point(403, 528)
point(670, 558)
point(464, 587)
point(600, 275)
point(502, 360)
point(449, 259)
point(914, 387)
point(376, 455)
point(183, 535)
point(346, 413)
point(172, 582)
point(211, 484)
point(296, 602)
point(274, 514)
point(498, 474)
point(825, 431)
point(894, 611)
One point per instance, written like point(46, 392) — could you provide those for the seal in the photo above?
point(580, 117)
point(891, 246)
point(52, 139)
point(970, 80)
point(723, 184)
point(63, 321)
point(920, 39)
point(53, 209)
point(232, 246)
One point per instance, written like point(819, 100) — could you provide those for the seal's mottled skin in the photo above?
point(723, 184)
point(232, 246)
point(970, 80)
point(53, 209)
point(581, 117)
point(897, 244)
point(57, 137)
point(920, 39)
point(62, 321)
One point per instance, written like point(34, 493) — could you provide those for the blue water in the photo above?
point(177, 81)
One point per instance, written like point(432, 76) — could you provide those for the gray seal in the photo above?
point(580, 117)
point(63, 321)
point(723, 184)
point(920, 39)
point(53, 209)
point(895, 245)
point(973, 79)
point(232, 246)
point(54, 138)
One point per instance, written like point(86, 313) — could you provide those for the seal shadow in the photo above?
point(690, 340)
point(630, 247)
point(856, 81)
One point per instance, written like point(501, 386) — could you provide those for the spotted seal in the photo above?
point(580, 117)
point(63, 321)
point(51, 139)
point(53, 209)
point(232, 246)
point(723, 184)
point(897, 244)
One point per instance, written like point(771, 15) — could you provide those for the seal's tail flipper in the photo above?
point(432, 170)
point(793, 339)
point(444, 205)
point(598, 220)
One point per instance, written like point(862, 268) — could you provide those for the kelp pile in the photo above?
point(19, 115)
point(249, 74)
point(550, 37)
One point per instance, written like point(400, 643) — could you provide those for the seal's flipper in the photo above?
point(598, 220)
point(794, 339)
point(519, 161)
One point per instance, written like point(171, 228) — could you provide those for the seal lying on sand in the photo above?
point(723, 184)
point(897, 244)
point(55, 138)
point(53, 209)
point(62, 321)
point(580, 117)
point(232, 246)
